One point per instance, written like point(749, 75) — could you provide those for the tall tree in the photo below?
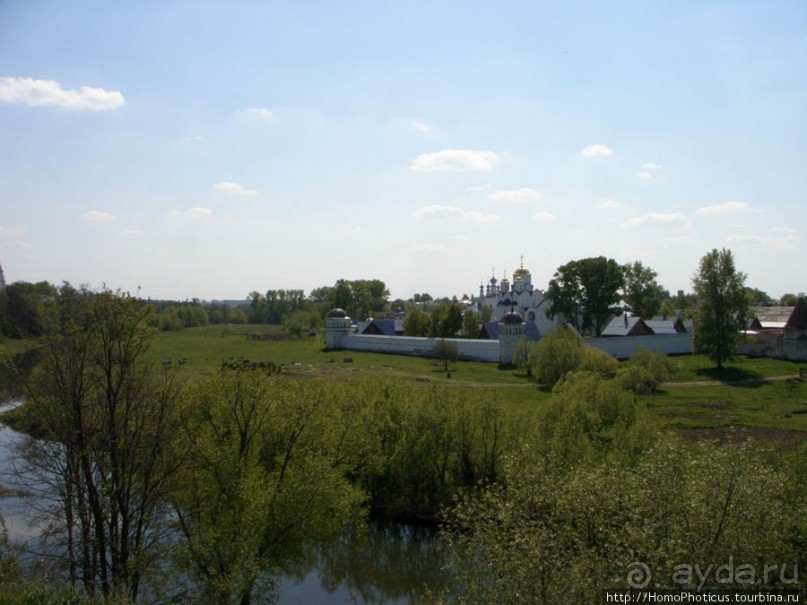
point(641, 291)
point(108, 428)
point(722, 306)
point(583, 292)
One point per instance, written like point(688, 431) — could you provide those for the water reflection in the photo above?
point(382, 564)
point(388, 564)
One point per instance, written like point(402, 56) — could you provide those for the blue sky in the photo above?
point(208, 149)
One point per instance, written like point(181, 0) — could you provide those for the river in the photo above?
point(386, 564)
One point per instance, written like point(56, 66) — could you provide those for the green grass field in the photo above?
point(748, 399)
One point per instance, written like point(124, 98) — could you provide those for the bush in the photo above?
point(599, 362)
point(645, 371)
point(558, 352)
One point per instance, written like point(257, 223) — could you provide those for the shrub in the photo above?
point(558, 352)
point(645, 371)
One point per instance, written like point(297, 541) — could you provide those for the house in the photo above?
point(627, 325)
point(796, 326)
point(769, 318)
point(779, 332)
point(666, 325)
point(382, 327)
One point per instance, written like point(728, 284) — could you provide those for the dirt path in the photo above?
point(718, 383)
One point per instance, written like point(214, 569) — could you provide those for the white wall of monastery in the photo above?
point(488, 350)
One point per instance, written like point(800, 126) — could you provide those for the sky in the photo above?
point(196, 149)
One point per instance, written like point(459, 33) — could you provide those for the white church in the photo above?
point(521, 297)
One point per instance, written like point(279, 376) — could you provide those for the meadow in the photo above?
point(760, 398)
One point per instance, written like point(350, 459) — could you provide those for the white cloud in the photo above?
point(544, 216)
point(131, 232)
point(36, 93)
point(97, 216)
point(726, 208)
point(235, 188)
point(454, 160)
point(419, 126)
point(648, 169)
point(515, 196)
point(778, 237)
point(610, 204)
point(596, 151)
point(672, 219)
point(261, 111)
point(453, 212)
point(193, 212)
point(15, 244)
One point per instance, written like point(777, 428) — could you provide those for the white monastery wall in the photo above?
point(470, 349)
point(622, 347)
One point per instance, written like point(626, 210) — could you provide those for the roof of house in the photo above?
point(626, 325)
point(668, 325)
point(772, 317)
point(385, 327)
point(798, 318)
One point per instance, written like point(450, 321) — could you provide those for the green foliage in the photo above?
point(758, 297)
point(103, 471)
point(559, 351)
point(598, 362)
point(641, 290)
point(645, 371)
point(722, 309)
point(22, 308)
point(10, 570)
point(583, 292)
point(470, 324)
point(361, 298)
point(446, 350)
point(40, 593)
point(300, 323)
point(263, 478)
point(273, 306)
point(428, 444)
point(416, 323)
point(546, 537)
point(788, 300)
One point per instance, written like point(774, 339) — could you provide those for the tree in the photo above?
point(452, 322)
point(583, 292)
point(470, 324)
point(788, 300)
point(104, 464)
point(759, 297)
point(641, 291)
point(559, 351)
point(416, 323)
point(446, 350)
point(722, 306)
point(264, 479)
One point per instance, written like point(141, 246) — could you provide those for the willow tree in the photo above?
point(722, 306)
point(264, 478)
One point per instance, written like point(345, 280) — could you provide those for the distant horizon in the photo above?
point(207, 149)
point(307, 291)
